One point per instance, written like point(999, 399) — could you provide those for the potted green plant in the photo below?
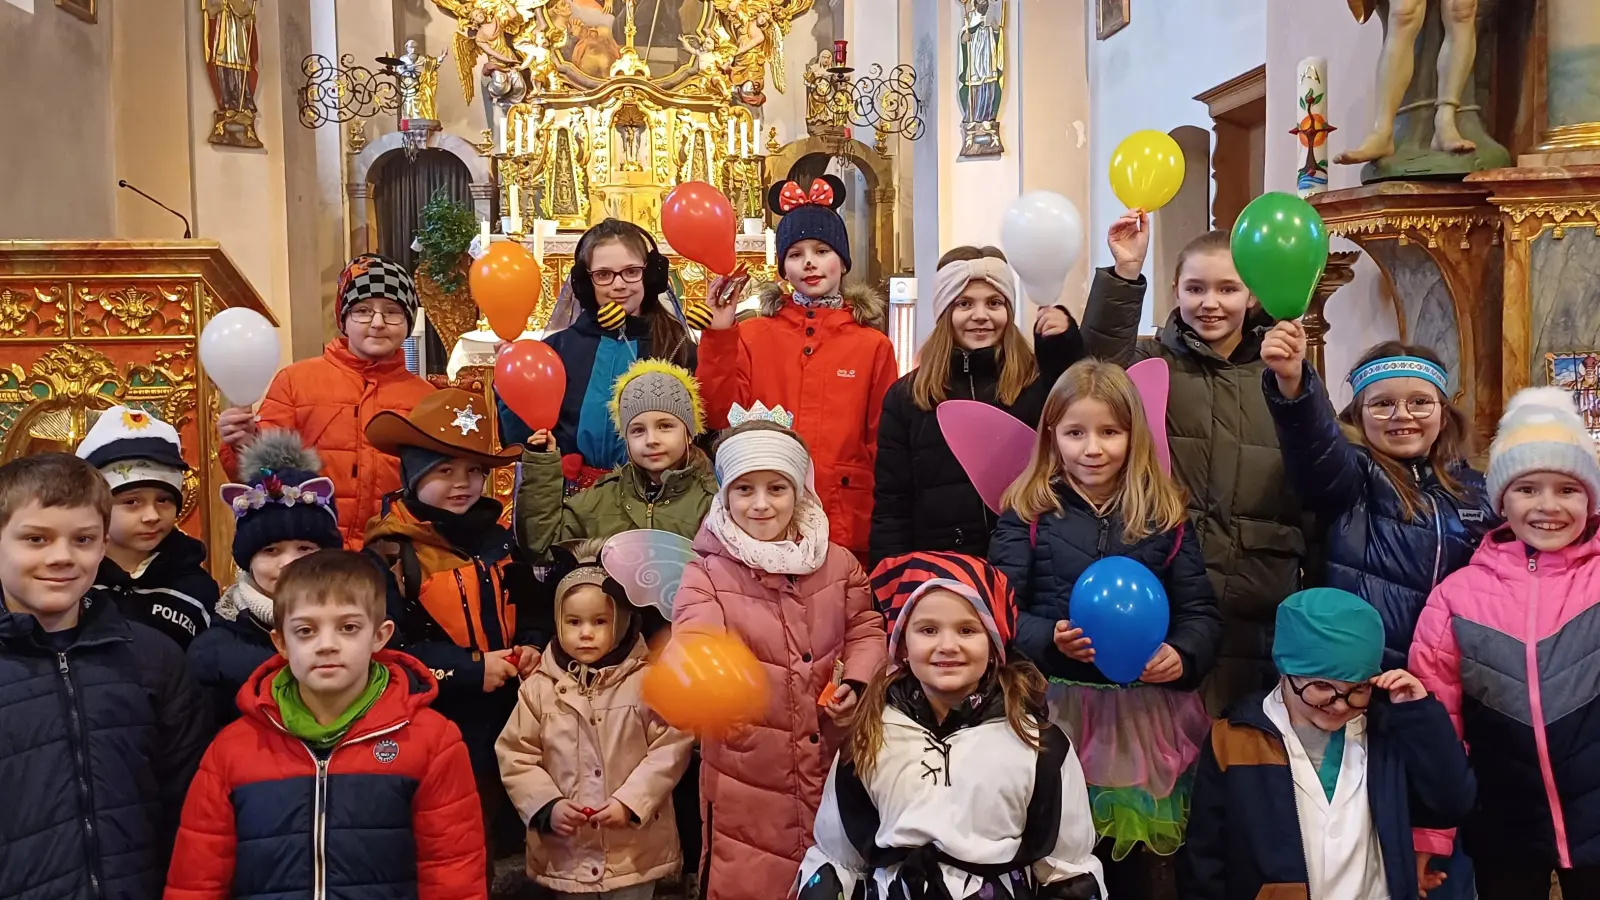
point(446, 231)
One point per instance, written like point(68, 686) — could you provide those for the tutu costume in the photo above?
point(1137, 743)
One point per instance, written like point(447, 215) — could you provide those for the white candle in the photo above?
point(500, 129)
point(772, 247)
point(516, 209)
point(1311, 162)
point(744, 140)
point(538, 241)
point(730, 137)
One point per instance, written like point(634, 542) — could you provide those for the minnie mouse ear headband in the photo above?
point(900, 581)
point(955, 276)
point(808, 213)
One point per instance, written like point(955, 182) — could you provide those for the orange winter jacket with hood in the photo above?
point(329, 399)
point(831, 369)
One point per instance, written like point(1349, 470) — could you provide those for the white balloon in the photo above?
point(239, 353)
point(1042, 235)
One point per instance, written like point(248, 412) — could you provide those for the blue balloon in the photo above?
point(1122, 609)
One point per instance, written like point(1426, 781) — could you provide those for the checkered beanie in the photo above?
point(370, 276)
point(1541, 431)
point(651, 385)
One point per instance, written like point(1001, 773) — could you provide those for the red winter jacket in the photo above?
point(390, 812)
point(329, 399)
point(830, 368)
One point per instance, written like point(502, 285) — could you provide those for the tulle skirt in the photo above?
point(1138, 746)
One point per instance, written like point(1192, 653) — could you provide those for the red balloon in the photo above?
point(530, 378)
point(698, 222)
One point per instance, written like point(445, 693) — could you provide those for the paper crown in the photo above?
point(777, 415)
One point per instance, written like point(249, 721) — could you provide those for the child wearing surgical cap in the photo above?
point(1344, 755)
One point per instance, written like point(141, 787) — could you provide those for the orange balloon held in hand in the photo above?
point(706, 683)
point(697, 220)
point(529, 377)
point(506, 283)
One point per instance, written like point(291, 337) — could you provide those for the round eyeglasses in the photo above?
point(604, 277)
point(365, 317)
point(1417, 407)
point(1321, 695)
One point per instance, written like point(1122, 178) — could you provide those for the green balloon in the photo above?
point(1280, 247)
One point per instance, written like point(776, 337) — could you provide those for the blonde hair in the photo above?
point(1022, 690)
point(1452, 446)
point(931, 382)
point(1148, 502)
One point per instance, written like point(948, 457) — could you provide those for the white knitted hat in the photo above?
point(1541, 431)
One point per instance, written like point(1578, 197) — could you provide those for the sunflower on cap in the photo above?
point(132, 448)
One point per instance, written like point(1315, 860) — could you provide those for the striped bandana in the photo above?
point(899, 582)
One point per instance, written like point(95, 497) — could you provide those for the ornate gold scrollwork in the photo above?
point(139, 309)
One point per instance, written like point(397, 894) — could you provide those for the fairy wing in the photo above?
point(1153, 379)
point(992, 446)
point(649, 565)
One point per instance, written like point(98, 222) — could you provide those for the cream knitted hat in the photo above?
point(1541, 431)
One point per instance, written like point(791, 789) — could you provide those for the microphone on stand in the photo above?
point(186, 230)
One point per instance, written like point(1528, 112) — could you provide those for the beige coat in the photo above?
point(590, 746)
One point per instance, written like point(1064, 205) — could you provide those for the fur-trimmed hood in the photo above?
point(865, 303)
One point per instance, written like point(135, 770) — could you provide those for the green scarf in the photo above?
point(298, 719)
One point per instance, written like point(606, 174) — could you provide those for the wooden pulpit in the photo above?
point(86, 325)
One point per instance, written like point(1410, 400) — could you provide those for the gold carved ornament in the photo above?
point(1429, 225)
point(1552, 213)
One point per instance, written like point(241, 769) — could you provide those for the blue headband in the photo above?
point(1397, 367)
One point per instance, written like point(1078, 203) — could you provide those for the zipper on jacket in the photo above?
point(319, 802)
point(650, 514)
point(75, 721)
point(1294, 794)
point(1541, 738)
point(466, 612)
point(1438, 539)
point(1101, 542)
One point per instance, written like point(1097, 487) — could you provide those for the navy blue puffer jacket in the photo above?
point(100, 732)
point(1374, 551)
point(224, 656)
point(1042, 566)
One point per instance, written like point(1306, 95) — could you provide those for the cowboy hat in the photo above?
point(446, 421)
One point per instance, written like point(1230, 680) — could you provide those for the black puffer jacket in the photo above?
point(223, 659)
point(98, 741)
point(174, 594)
point(1374, 551)
point(1043, 564)
point(923, 499)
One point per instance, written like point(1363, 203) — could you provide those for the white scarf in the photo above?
point(800, 557)
point(244, 594)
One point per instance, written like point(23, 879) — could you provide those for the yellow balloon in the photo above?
point(1147, 170)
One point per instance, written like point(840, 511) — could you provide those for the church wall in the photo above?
point(56, 109)
point(1146, 76)
point(1359, 315)
point(151, 114)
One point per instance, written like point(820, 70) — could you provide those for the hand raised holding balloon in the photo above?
point(1283, 350)
point(1166, 666)
point(1129, 240)
point(237, 426)
point(1052, 321)
point(1072, 644)
point(722, 295)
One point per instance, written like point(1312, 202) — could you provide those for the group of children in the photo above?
point(394, 719)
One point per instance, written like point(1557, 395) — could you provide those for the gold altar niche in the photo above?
point(602, 107)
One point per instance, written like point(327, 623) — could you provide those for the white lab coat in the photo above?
point(1343, 861)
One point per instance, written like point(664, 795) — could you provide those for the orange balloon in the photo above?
point(706, 683)
point(506, 283)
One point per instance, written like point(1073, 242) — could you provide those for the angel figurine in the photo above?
point(484, 30)
point(710, 61)
point(757, 27)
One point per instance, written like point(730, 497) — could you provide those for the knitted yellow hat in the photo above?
point(654, 385)
point(1541, 431)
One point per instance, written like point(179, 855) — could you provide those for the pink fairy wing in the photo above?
point(649, 565)
point(992, 446)
point(1153, 380)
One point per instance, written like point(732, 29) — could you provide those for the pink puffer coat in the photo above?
point(761, 784)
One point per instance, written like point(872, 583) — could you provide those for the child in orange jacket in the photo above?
point(822, 354)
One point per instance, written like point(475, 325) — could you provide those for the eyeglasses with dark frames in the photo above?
point(604, 277)
point(364, 316)
point(1321, 695)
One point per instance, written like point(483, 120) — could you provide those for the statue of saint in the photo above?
point(1398, 62)
point(419, 82)
point(982, 67)
point(231, 55)
point(484, 30)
